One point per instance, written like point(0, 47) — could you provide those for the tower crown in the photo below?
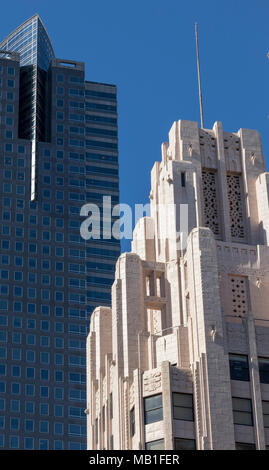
point(32, 42)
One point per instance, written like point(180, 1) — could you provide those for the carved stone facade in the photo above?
point(187, 340)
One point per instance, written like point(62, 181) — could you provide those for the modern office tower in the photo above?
point(187, 363)
point(58, 150)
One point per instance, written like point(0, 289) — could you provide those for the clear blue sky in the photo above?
point(147, 48)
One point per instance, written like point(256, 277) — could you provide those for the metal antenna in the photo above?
point(199, 78)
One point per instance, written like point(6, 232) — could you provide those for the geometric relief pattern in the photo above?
point(236, 206)
point(210, 201)
point(239, 297)
point(152, 382)
point(154, 321)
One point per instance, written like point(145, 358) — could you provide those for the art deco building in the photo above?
point(181, 361)
point(58, 150)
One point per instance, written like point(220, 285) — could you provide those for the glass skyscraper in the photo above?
point(58, 150)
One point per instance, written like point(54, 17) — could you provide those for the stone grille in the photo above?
point(236, 206)
point(238, 286)
point(210, 201)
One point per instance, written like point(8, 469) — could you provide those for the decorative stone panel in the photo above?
point(239, 295)
point(154, 321)
point(152, 382)
point(232, 152)
point(132, 396)
point(208, 149)
point(211, 212)
point(236, 206)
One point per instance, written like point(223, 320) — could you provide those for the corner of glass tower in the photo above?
point(32, 42)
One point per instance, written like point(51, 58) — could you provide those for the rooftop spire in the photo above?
point(199, 77)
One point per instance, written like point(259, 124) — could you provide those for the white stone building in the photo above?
point(181, 361)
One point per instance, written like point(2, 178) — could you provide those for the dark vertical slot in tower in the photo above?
point(27, 102)
point(34, 104)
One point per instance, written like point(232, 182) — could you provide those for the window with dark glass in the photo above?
point(265, 410)
point(239, 368)
point(96, 431)
point(153, 407)
point(244, 446)
point(155, 445)
point(264, 369)
point(111, 405)
point(242, 411)
point(184, 444)
point(183, 406)
point(132, 422)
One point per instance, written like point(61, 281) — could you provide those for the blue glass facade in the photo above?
point(50, 278)
point(32, 42)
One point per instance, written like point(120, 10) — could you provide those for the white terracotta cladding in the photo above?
point(176, 311)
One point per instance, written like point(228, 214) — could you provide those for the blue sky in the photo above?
point(147, 48)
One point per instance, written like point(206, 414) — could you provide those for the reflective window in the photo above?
point(29, 407)
point(28, 443)
point(185, 444)
point(155, 445)
point(264, 370)
point(239, 368)
point(58, 445)
point(265, 410)
point(14, 442)
point(244, 446)
point(183, 406)
point(132, 422)
point(15, 406)
point(242, 411)
point(44, 426)
point(43, 444)
point(153, 409)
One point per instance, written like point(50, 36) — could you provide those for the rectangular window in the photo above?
point(239, 368)
point(244, 446)
point(132, 422)
point(183, 179)
point(264, 370)
point(111, 405)
point(185, 444)
point(155, 445)
point(242, 411)
point(183, 406)
point(153, 409)
point(96, 431)
point(265, 410)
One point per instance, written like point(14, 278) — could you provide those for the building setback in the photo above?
point(58, 150)
point(181, 361)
